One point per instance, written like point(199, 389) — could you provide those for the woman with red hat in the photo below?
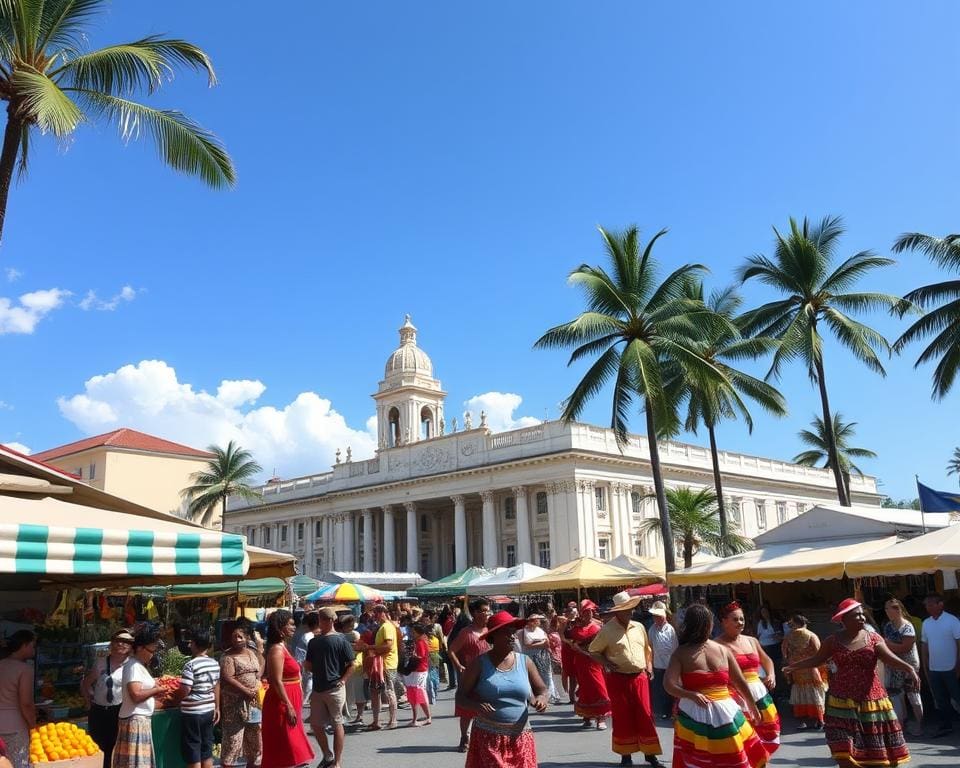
point(592, 702)
point(860, 724)
point(497, 687)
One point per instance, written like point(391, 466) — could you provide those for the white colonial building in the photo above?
point(438, 497)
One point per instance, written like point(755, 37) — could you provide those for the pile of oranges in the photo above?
point(60, 741)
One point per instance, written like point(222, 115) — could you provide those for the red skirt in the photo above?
point(568, 660)
point(633, 728)
point(592, 698)
point(494, 750)
point(284, 745)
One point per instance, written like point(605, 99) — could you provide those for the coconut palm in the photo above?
point(816, 298)
point(818, 453)
point(228, 472)
point(695, 522)
point(943, 320)
point(716, 400)
point(51, 86)
point(953, 466)
point(635, 325)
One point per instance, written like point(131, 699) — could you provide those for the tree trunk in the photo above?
point(718, 485)
point(828, 433)
point(8, 158)
point(846, 485)
point(687, 550)
point(223, 512)
point(666, 529)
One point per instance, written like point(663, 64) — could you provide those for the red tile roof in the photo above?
point(121, 438)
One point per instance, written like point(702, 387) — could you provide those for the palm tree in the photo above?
point(49, 85)
point(943, 321)
point(228, 472)
point(635, 326)
point(814, 298)
point(695, 522)
point(818, 452)
point(719, 399)
point(953, 466)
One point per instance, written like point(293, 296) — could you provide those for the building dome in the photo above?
point(408, 358)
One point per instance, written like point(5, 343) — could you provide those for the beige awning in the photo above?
point(793, 561)
point(584, 572)
point(934, 551)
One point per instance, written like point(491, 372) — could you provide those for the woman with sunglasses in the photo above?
point(134, 747)
point(102, 690)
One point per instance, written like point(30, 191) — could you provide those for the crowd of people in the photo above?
point(713, 671)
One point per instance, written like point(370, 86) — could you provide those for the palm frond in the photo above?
point(586, 327)
point(62, 22)
point(49, 107)
point(944, 251)
point(860, 339)
point(183, 144)
point(851, 270)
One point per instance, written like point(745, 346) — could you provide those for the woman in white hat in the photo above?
point(102, 690)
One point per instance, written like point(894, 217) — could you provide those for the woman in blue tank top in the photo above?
point(498, 686)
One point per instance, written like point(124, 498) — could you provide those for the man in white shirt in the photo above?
point(663, 641)
point(940, 658)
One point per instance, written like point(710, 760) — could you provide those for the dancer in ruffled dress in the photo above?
point(808, 686)
point(711, 730)
point(751, 657)
point(860, 724)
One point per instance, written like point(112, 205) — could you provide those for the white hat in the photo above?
point(623, 602)
point(658, 609)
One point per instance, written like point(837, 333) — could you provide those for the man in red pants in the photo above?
point(624, 651)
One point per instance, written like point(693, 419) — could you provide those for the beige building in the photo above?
point(145, 469)
point(439, 496)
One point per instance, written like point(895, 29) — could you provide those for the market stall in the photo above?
point(582, 573)
point(506, 582)
point(454, 585)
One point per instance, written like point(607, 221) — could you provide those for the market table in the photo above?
point(166, 738)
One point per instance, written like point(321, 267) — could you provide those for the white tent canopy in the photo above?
point(506, 582)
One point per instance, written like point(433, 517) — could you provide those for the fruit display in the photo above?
point(60, 741)
point(170, 684)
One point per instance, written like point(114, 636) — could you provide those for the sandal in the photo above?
point(601, 725)
point(464, 745)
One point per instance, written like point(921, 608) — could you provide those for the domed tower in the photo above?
point(409, 399)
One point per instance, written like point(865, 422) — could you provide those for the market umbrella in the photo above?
point(454, 585)
point(305, 585)
point(347, 592)
point(507, 582)
point(581, 573)
point(650, 590)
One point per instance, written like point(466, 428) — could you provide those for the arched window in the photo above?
point(426, 423)
point(393, 420)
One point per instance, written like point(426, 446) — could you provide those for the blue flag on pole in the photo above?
point(937, 501)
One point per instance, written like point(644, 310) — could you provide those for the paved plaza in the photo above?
point(562, 742)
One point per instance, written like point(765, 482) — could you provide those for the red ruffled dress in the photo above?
point(592, 698)
point(284, 745)
point(860, 723)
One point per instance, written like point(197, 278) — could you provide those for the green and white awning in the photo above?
point(45, 549)
point(63, 541)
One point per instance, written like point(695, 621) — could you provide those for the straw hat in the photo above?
point(123, 634)
point(658, 609)
point(623, 602)
point(845, 607)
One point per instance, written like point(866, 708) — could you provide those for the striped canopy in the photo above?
point(347, 592)
point(66, 542)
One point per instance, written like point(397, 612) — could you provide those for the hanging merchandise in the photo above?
point(59, 615)
point(129, 611)
point(152, 613)
point(106, 612)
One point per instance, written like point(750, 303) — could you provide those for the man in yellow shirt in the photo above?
point(621, 647)
point(385, 644)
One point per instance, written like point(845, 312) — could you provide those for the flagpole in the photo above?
point(923, 522)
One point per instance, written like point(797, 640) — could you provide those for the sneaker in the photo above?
point(626, 760)
point(802, 727)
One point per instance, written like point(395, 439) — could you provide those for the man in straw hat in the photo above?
point(624, 651)
point(663, 641)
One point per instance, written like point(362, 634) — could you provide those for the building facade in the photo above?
point(438, 497)
point(136, 466)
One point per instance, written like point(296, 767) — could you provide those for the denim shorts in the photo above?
point(196, 737)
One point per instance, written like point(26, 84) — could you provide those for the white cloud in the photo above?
point(298, 438)
point(91, 301)
point(12, 274)
point(18, 447)
point(22, 315)
point(500, 408)
point(5, 406)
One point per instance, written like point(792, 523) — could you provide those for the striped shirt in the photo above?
point(201, 674)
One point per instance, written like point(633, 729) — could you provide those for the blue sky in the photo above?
point(453, 162)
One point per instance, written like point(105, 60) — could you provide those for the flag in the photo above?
point(937, 501)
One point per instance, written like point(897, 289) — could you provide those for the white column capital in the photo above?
point(410, 506)
point(519, 490)
point(458, 498)
point(586, 485)
point(486, 497)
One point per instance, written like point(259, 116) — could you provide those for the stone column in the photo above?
point(621, 519)
point(389, 541)
point(490, 554)
point(589, 516)
point(348, 541)
point(523, 525)
point(436, 567)
point(413, 537)
point(367, 564)
point(459, 533)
